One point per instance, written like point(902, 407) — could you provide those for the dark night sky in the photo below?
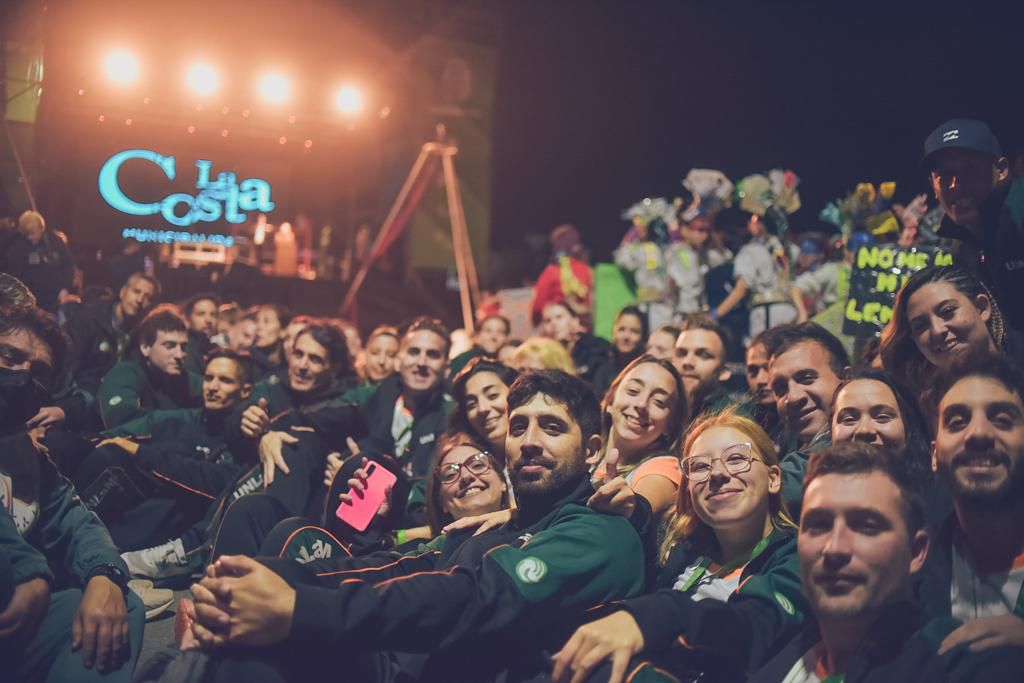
point(602, 103)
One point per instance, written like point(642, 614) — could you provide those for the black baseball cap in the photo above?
point(961, 134)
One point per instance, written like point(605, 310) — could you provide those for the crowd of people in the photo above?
point(695, 500)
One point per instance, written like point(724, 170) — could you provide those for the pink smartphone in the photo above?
point(364, 506)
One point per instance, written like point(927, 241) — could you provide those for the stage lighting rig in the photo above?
point(274, 87)
point(202, 78)
point(349, 100)
point(121, 67)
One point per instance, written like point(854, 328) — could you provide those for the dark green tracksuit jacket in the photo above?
point(95, 345)
point(722, 640)
point(189, 449)
point(486, 608)
point(183, 464)
point(46, 530)
point(198, 346)
point(130, 390)
point(280, 398)
point(903, 646)
point(794, 466)
point(284, 407)
point(263, 367)
point(300, 490)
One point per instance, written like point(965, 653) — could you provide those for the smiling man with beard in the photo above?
point(469, 608)
point(975, 570)
point(806, 364)
point(861, 541)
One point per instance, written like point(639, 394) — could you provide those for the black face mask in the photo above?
point(21, 397)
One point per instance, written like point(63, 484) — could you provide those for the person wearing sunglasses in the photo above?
point(730, 540)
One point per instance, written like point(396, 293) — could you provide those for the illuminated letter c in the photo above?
point(110, 188)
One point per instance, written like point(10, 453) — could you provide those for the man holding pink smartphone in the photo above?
point(468, 607)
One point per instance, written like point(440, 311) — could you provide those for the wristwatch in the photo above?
point(112, 572)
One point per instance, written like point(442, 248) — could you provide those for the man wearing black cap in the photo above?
point(984, 208)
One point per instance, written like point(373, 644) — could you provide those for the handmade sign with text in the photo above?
point(879, 270)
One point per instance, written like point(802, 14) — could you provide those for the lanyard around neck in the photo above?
point(702, 570)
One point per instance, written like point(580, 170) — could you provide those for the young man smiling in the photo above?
point(804, 371)
point(975, 570)
point(861, 541)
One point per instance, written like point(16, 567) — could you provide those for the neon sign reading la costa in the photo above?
point(223, 198)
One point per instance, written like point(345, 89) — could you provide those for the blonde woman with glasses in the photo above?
point(728, 590)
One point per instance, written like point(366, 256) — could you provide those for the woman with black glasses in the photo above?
point(467, 480)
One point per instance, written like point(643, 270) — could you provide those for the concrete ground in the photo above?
point(160, 631)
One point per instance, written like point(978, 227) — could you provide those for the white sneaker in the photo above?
point(156, 600)
point(158, 562)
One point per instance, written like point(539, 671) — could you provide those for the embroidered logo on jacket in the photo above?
point(785, 604)
point(531, 570)
point(321, 551)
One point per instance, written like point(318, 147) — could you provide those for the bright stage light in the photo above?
point(202, 78)
point(274, 87)
point(349, 100)
point(121, 67)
